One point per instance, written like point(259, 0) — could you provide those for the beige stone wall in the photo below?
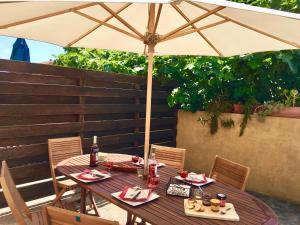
point(271, 149)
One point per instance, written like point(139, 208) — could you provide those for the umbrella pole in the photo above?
point(148, 109)
point(151, 42)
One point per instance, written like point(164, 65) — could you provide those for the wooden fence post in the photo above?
point(82, 105)
point(137, 101)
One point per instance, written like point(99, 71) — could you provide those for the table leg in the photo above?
point(129, 219)
point(82, 201)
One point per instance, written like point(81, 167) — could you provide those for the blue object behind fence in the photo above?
point(20, 51)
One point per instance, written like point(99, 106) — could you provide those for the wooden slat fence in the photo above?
point(38, 102)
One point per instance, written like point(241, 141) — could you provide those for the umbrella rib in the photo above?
point(46, 16)
point(248, 27)
point(157, 17)
point(124, 22)
point(190, 31)
point(96, 27)
point(213, 11)
point(107, 25)
point(195, 28)
point(151, 22)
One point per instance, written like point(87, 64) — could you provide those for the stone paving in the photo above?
point(288, 213)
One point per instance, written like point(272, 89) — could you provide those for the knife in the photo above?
point(136, 195)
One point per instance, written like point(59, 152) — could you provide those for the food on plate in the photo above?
point(222, 198)
point(199, 207)
point(215, 205)
point(190, 206)
point(191, 203)
point(206, 199)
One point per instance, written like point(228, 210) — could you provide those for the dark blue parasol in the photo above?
point(20, 51)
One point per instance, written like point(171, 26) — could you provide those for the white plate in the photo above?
point(152, 197)
point(208, 180)
point(105, 176)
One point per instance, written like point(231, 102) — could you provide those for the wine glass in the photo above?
point(109, 166)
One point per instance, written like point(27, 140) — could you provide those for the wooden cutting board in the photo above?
point(230, 215)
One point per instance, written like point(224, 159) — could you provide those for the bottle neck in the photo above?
point(95, 140)
point(152, 157)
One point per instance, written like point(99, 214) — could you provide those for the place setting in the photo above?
point(91, 175)
point(135, 196)
point(194, 179)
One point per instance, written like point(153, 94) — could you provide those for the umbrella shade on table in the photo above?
point(155, 27)
point(20, 51)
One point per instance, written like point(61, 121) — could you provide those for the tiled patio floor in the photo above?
point(289, 214)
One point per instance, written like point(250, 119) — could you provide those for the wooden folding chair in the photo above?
point(173, 157)
point(230, 173)
point(57, 216)
point(49, 216)
point(60, 149)
point(13, 198)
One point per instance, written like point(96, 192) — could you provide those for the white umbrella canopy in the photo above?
point(155, 27)
point(199, 27)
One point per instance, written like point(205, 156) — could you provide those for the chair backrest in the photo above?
point(58, 216)
point(173, 157)
point(60, 149)
point(230, 173)
point(13, 198)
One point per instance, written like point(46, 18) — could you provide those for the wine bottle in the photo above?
point(94, 149)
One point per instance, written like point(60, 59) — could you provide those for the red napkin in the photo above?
point(138, 199)
point(196, 178)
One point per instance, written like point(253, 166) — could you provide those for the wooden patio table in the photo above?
point(168, 210)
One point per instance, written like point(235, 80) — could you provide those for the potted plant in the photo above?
point(285, 108)
point(238, 108)
point(268, 108)
point(291, 99)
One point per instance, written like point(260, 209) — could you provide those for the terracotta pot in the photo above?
point(290, 112)
point(238, 108)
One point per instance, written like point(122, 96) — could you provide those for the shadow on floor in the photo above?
point(288, 213)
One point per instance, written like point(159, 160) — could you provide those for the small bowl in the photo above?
point(183, 174)
point(135, 159)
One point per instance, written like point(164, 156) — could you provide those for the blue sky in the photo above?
point(39, 51)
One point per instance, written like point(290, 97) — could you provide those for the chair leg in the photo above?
point(131, 220)
point(58, 197)
point(94, 203)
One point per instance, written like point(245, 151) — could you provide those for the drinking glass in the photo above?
point(109, 166)
point(153, 182)
point(140, 172)
point(197, 193)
